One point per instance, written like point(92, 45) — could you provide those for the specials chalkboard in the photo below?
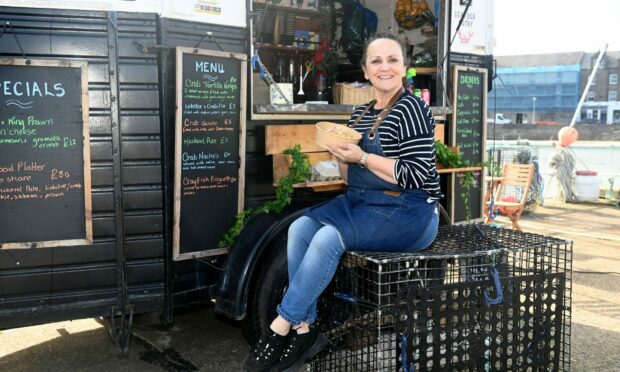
point(44, 154)
point(209, 149)
point(468, 133)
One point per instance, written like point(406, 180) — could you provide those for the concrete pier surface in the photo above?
point(199, 340)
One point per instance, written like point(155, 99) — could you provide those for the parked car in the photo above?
point(499, 119)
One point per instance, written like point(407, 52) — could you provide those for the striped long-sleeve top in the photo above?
point(407, 135)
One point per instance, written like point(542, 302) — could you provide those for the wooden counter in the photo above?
point(304, 111)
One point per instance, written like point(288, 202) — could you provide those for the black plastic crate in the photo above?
point(440, 309)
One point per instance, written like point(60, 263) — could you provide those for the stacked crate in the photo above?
point(479, 299)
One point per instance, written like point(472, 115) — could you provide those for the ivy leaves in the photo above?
point(447, 157)
point(451, 159)
point(299, 171)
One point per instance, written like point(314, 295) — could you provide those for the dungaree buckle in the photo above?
point(392, 193)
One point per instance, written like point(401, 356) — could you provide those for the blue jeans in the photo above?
point(314, 251)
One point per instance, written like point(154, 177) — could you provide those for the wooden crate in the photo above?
point(285, 136)
point(282, 137)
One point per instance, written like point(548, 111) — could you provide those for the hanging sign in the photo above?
point(45, 198)
point(469, 102)
point(475, 36)
point(221, 12)
point(209, 149)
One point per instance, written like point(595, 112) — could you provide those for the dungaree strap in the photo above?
point(382, 115)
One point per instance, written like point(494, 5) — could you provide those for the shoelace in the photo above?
point(290, 347)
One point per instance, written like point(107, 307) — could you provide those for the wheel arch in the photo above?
point(245, 255)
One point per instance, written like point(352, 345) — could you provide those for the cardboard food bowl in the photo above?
point(332, 133)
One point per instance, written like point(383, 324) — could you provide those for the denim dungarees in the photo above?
point(375, 215)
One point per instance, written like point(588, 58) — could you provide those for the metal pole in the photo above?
point(585, 90)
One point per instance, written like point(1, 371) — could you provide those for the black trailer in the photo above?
point(127, 266)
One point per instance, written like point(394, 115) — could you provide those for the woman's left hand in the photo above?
point(346, 152)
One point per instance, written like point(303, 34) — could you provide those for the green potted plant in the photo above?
point(449, 157)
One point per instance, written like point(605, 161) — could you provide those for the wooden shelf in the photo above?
point(457, 170)
point(292, 9)
point(302, 116)
point(425, 70)
point(320, 186)
point(287, 48)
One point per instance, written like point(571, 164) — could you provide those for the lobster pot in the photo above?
point(479, 299)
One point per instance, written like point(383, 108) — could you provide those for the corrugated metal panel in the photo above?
point(70, 282)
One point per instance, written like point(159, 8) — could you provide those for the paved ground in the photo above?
point(594, 229)
point(201, 341)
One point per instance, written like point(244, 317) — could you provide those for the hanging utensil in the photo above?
point(265, 75)
point(309, 67)
point(301, 81)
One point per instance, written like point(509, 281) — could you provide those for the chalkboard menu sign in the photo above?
point(209, 149)
point(44, 154)
point(469, 102)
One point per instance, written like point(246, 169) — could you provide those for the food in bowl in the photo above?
point(332, 133)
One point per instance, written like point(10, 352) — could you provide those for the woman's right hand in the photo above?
point(346, 152)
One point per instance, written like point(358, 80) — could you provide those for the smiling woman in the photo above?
point(391, 199)
point(385, 67)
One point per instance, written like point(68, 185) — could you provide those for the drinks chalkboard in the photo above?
point(45, 196)
point(469, 102)
point(209, 149)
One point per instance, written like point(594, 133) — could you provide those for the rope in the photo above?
point(562, 161)
point(209, 36)
point(19, 45)
point(492, 214)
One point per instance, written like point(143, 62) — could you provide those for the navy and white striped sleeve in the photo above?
point(414, 131)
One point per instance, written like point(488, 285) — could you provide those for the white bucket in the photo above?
point(587, 187)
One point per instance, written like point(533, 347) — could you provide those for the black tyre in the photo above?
point(267, 287)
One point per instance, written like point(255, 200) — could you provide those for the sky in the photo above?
point(552, 26)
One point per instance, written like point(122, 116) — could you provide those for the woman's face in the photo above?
point(384, 65)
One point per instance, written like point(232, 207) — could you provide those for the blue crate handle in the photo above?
point(403, 356)
point(346, 297)
point(353, 300)
point(498, 289)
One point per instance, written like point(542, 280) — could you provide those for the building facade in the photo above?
point(602, 104)
point(546, 88)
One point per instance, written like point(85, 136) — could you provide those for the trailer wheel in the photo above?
point(268, 285)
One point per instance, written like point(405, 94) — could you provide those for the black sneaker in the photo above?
point(301, 348)
point(266, 354)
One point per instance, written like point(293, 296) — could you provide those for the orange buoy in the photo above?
point(567, 136)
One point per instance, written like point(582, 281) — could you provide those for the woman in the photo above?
point(390, 205)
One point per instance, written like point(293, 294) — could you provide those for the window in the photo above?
point(593, 60)
point(590, 96)
point(589, 114)
point(613, 79)
point(612, 96)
